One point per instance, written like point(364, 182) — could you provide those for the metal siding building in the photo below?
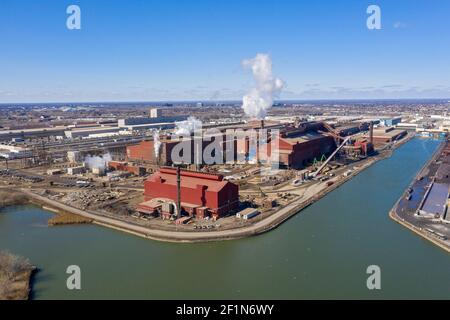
point(436, 200)
point(389, 122)
point(145, 151)
point(197, 189)
point(83, 133)
point(297, 152)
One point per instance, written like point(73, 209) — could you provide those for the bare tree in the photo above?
point(10, 266)
point(5, 285)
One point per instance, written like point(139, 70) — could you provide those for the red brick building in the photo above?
point(145, 152)
point(141, 152)
point(202, 194)
point(125, 166)
point(297, 152)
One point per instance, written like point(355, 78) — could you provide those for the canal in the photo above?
point(323, 252)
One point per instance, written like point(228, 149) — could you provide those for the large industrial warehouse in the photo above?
point(298, 146)
point(200, 194)
point(296, 152)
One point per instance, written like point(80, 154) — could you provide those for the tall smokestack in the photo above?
point(371, 133)
point(262, 138)
point(179, 192)
point(156, 146)
point(198, 153)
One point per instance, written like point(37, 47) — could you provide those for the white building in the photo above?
point(74, 156)
point(85, 133)
point(14, 152)
point(76, 170)
point(155, 113)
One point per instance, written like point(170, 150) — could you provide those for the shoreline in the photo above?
point(269, 223)
point(418, 231)
point(17, 284)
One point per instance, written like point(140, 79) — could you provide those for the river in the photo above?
point(323, 252)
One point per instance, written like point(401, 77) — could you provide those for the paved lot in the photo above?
point(406, 210)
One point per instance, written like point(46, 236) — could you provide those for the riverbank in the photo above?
point(11, 198)
point(15, 277)
point(262, 226)
point(15, 198)
point(417, 229)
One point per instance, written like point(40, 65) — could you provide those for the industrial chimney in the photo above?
point(178, 192)
point(371, 132)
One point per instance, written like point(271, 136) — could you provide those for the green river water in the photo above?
point(323, 252)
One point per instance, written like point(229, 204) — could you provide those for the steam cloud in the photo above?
point(260, 98)
point(188, 126)
point(156, 144)
point(97, 162)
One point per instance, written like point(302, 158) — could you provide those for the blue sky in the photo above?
point(148, 50)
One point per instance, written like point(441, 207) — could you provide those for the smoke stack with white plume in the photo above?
point(97, 162)
point(260, 98)
point(156, 144)
point(188, 126)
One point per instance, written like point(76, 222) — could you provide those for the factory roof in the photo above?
point(94, 129)
point(33, 130)
point(255, 124)
point(391, 133)
point(153, 203)
point(345, 126)
point(148, 125)
point(189, 179)
point(304, 138)
point(436, 199)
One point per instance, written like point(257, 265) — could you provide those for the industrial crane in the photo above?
point(337, 138)
point(332, 132)
point(330, 157)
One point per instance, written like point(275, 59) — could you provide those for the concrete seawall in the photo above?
point(393, 214)
point(416, 230)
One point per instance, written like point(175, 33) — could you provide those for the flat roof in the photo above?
point(145, 125)
point(436, 199)
point(33, 130)
point(391, 133)
point(247, 211)
point(189, 179)
point(304, 138)
point(93, 129)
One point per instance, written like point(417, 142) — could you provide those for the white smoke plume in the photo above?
point(188, 126)
point(260, 98)
point(97, 162)
point(156, 144)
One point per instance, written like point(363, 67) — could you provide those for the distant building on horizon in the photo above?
point(155, 113)
point(390, 122)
